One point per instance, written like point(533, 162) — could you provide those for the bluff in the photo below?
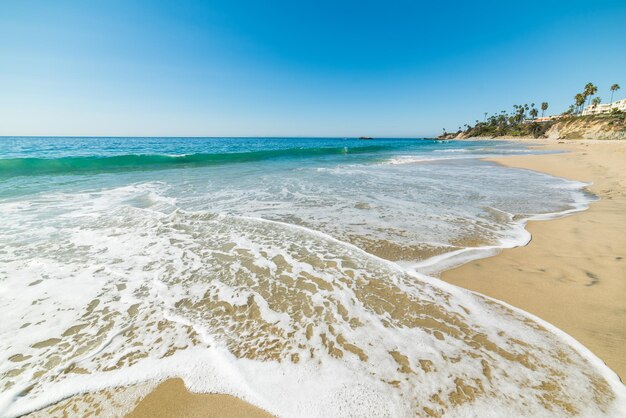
point(611, 126)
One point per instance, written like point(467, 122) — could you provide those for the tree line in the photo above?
point(512, 123)
point(586, 97)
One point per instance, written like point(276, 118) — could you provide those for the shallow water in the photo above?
point(289, 272)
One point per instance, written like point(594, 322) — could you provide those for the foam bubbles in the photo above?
point(275, 283)
point(290, 319)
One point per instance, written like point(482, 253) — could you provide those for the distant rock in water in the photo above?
point(365, 137)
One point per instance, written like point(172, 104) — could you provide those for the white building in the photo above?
point(605, 108)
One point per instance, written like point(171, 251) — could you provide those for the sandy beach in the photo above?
point(312, 210)
point(171, 398)
point(573, 272)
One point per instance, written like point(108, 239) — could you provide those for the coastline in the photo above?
point(573, 272)
point(569, 274)
point(171, 395)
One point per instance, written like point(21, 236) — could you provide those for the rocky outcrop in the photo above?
point(582, 127)
point(588, 128)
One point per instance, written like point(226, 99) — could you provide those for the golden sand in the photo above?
point(172, 399)
point(573, 273)
point(169, 398)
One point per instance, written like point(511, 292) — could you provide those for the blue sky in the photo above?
point(302, 68)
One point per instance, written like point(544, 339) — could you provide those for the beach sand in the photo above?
point(171, 399)
point(573, 272)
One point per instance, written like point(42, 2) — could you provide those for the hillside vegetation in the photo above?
point(523, 121)
point(610, 126)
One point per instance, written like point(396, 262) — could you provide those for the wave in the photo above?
point(234, 303)
point(407, 159)
point(518, 236)
point(13, 167)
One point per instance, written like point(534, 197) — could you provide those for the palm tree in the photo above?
point(614, 88)
point(533, 112)
point(485, 116)
point(595, 102)
point(590, 90)
point(580, 101)
point(544, 107)
point(519, 114)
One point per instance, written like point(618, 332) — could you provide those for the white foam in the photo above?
point(408, 159)
point(517, 236)
point(186, 274)
point(281, 388)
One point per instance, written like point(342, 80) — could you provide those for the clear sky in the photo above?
point(301, 68)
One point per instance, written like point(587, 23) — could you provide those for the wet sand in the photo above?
point(171, 399)
point(573, 272)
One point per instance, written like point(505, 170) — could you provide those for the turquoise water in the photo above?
point(253, 266)
point(59, 147)
point(402, 199)
point(41, 156)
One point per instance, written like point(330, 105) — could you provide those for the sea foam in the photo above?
point(290, 319)
point(297, 286)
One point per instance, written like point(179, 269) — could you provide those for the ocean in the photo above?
point(296, 273)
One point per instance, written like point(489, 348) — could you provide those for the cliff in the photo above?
point(588, 127)
point(611, 126)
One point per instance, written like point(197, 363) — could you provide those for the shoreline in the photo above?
point(612, 357)
point(470, 275)
point(171, 396)
point(573, 271)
